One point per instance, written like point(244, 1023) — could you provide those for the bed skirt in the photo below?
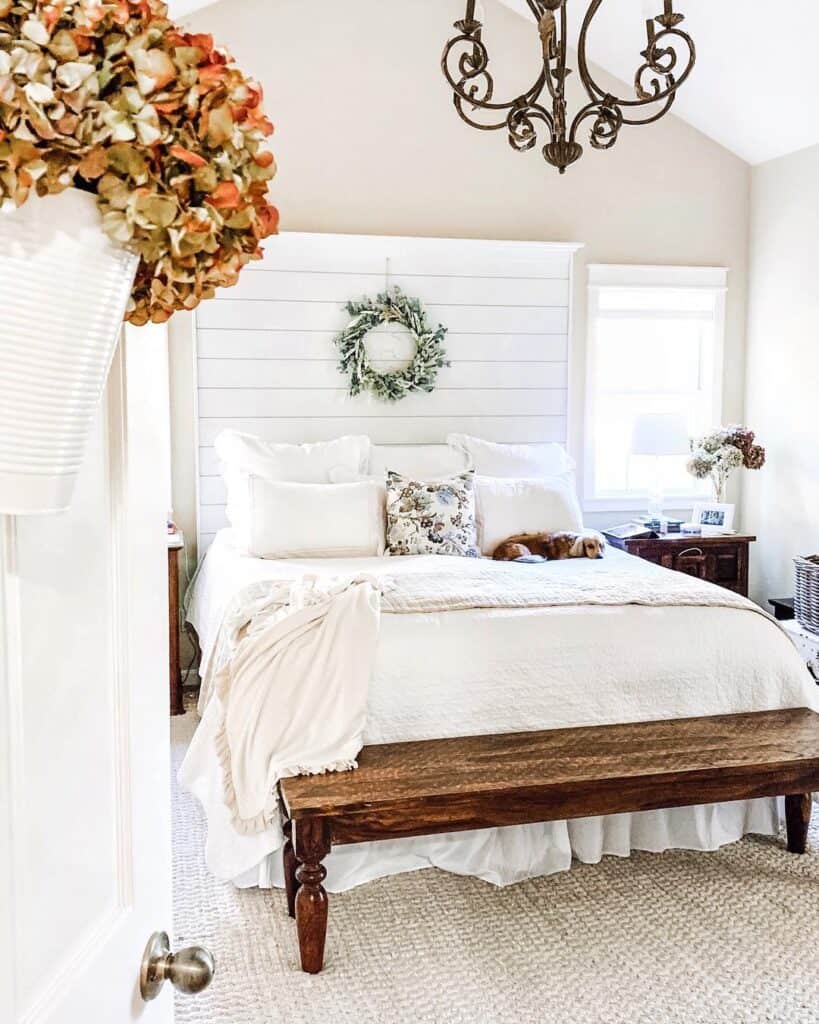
point(504, 856)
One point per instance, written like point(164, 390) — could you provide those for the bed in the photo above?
point(482, 670)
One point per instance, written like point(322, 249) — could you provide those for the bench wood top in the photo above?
point(450, 785)
point(479, 781)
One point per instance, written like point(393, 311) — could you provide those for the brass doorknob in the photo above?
point(189, 971)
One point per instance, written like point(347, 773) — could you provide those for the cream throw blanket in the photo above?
point(292, 665)
point(291, 689)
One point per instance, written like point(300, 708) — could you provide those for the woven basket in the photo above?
point(806, 596)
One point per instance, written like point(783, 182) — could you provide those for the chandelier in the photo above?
point(668, 60)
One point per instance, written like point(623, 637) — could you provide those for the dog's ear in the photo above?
point(578, 548)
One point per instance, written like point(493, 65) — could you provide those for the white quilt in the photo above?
point(496, 670)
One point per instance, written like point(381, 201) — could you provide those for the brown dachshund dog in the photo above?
point(551, 546)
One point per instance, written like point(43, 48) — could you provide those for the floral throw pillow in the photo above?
point(434, 518)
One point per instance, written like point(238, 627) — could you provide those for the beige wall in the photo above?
point(368, 142)
point(782, 501)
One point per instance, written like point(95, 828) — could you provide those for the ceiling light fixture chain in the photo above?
point(668, 60)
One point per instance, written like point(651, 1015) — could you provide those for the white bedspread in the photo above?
point(497, 670)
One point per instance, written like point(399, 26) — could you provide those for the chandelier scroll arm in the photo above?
point(522, 132)
point(475, 87)
point(651, 118)
point(595, 93)
point(654, 54)
point(608, 122)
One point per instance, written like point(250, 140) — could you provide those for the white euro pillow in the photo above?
point(295, 520)
point(326, 462)
point(517, 461)
point(418, 461)
point(507, 507)
point(342, 460)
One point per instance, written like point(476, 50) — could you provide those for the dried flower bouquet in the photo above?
point(109, 96)
point(720, 453)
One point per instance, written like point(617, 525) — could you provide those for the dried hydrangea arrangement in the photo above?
point(721, 452)
point(111, 97)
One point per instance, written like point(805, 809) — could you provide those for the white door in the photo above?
point(85, 863)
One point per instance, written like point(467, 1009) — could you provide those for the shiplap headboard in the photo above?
point(266, 362)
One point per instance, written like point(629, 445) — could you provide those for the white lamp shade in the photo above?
point(660, 434)
point(64, 288)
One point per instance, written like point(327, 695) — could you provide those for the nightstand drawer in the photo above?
point(693, 561)
point(720, 560)
point(717, 565)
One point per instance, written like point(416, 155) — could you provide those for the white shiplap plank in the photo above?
point(329, 316)
point(368, 254)
point(229, 403)
point(212, 518)
point(208, 462)
point(392, 430)
point(211, 489)
point(339, 288)
point(226, 343)
point(315, 373)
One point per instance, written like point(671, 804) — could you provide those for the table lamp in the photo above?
point(659, 435)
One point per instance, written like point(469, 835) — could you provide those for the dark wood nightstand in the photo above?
point(176, 543)
point(721, 560)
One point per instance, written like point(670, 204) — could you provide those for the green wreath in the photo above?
point(390, 307)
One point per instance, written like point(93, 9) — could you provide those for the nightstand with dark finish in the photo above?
point(721, 560)
point(176, 543)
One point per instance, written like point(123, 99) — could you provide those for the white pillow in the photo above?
point(508, 507)
point(327, 462)
point(242, 455)
point(419, 461)
point(293, 520)
point(518, 461)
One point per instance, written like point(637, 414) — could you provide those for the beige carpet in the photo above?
point(677, 938)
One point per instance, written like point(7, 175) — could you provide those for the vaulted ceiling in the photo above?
point(752, 87)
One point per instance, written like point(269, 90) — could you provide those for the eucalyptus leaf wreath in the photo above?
point(391, 307)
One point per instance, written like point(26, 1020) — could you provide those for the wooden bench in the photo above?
point(412, 789)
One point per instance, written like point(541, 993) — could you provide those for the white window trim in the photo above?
point(713, 279)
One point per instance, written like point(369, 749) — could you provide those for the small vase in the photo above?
point(64, 288)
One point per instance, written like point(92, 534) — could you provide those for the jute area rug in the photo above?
point(676, 938)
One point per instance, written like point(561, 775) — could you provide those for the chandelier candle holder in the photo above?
point(668, 60)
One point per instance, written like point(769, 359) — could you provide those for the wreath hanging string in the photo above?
point(391, 306)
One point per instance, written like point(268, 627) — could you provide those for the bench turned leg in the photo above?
point(797, 819)
point(291, 883)
point(311, 842)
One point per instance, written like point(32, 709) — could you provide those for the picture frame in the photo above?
point(714, 518)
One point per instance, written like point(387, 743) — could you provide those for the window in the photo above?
point(655, 346)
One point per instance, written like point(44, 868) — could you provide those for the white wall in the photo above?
point(368, 142)
point(781, 502)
